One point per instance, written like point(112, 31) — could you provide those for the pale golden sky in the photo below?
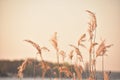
point(39, 19)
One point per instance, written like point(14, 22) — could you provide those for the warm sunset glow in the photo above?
point(37, 20)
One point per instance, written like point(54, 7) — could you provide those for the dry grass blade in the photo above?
point(82, 45)
point(65, 70)
point(101, 48)
point(54, 41)
point(44, 48)
point(62, 53)
point(82, 38)
point(108, 46)
point(71, 54)
point(22, 67)
point(76, 50)
point(90, 33)
point(73, 46)
point(44, 67)
point(91, 47)
point(34, 45)
point(54, 37)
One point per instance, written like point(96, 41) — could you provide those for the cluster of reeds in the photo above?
point(74, 52)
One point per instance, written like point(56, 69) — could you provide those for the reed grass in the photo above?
point(76, 50)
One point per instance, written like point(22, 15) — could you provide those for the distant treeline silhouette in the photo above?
point(9, 69)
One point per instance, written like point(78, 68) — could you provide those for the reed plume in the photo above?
point(34, 45)
point(44, 66)
point(93, 21)
point(54, 41)
point(102, 48)
point(37, 46)
point(92, 24)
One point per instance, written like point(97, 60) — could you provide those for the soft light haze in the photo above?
point(37, 20)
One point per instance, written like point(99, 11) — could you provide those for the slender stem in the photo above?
point(58, 64)
point(103, 66)
point(94, 66)
point(43, 74)
point(90, 59)
point(50, 74)
point(57, 58)
point(71, 66)
point(41, 57)
point(34, 71)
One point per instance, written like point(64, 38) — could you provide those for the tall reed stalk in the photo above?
point(92, 28)
point(102, 48)
point(78, 69)
point(103, 66)
point(39, 49)
point(54, 43)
